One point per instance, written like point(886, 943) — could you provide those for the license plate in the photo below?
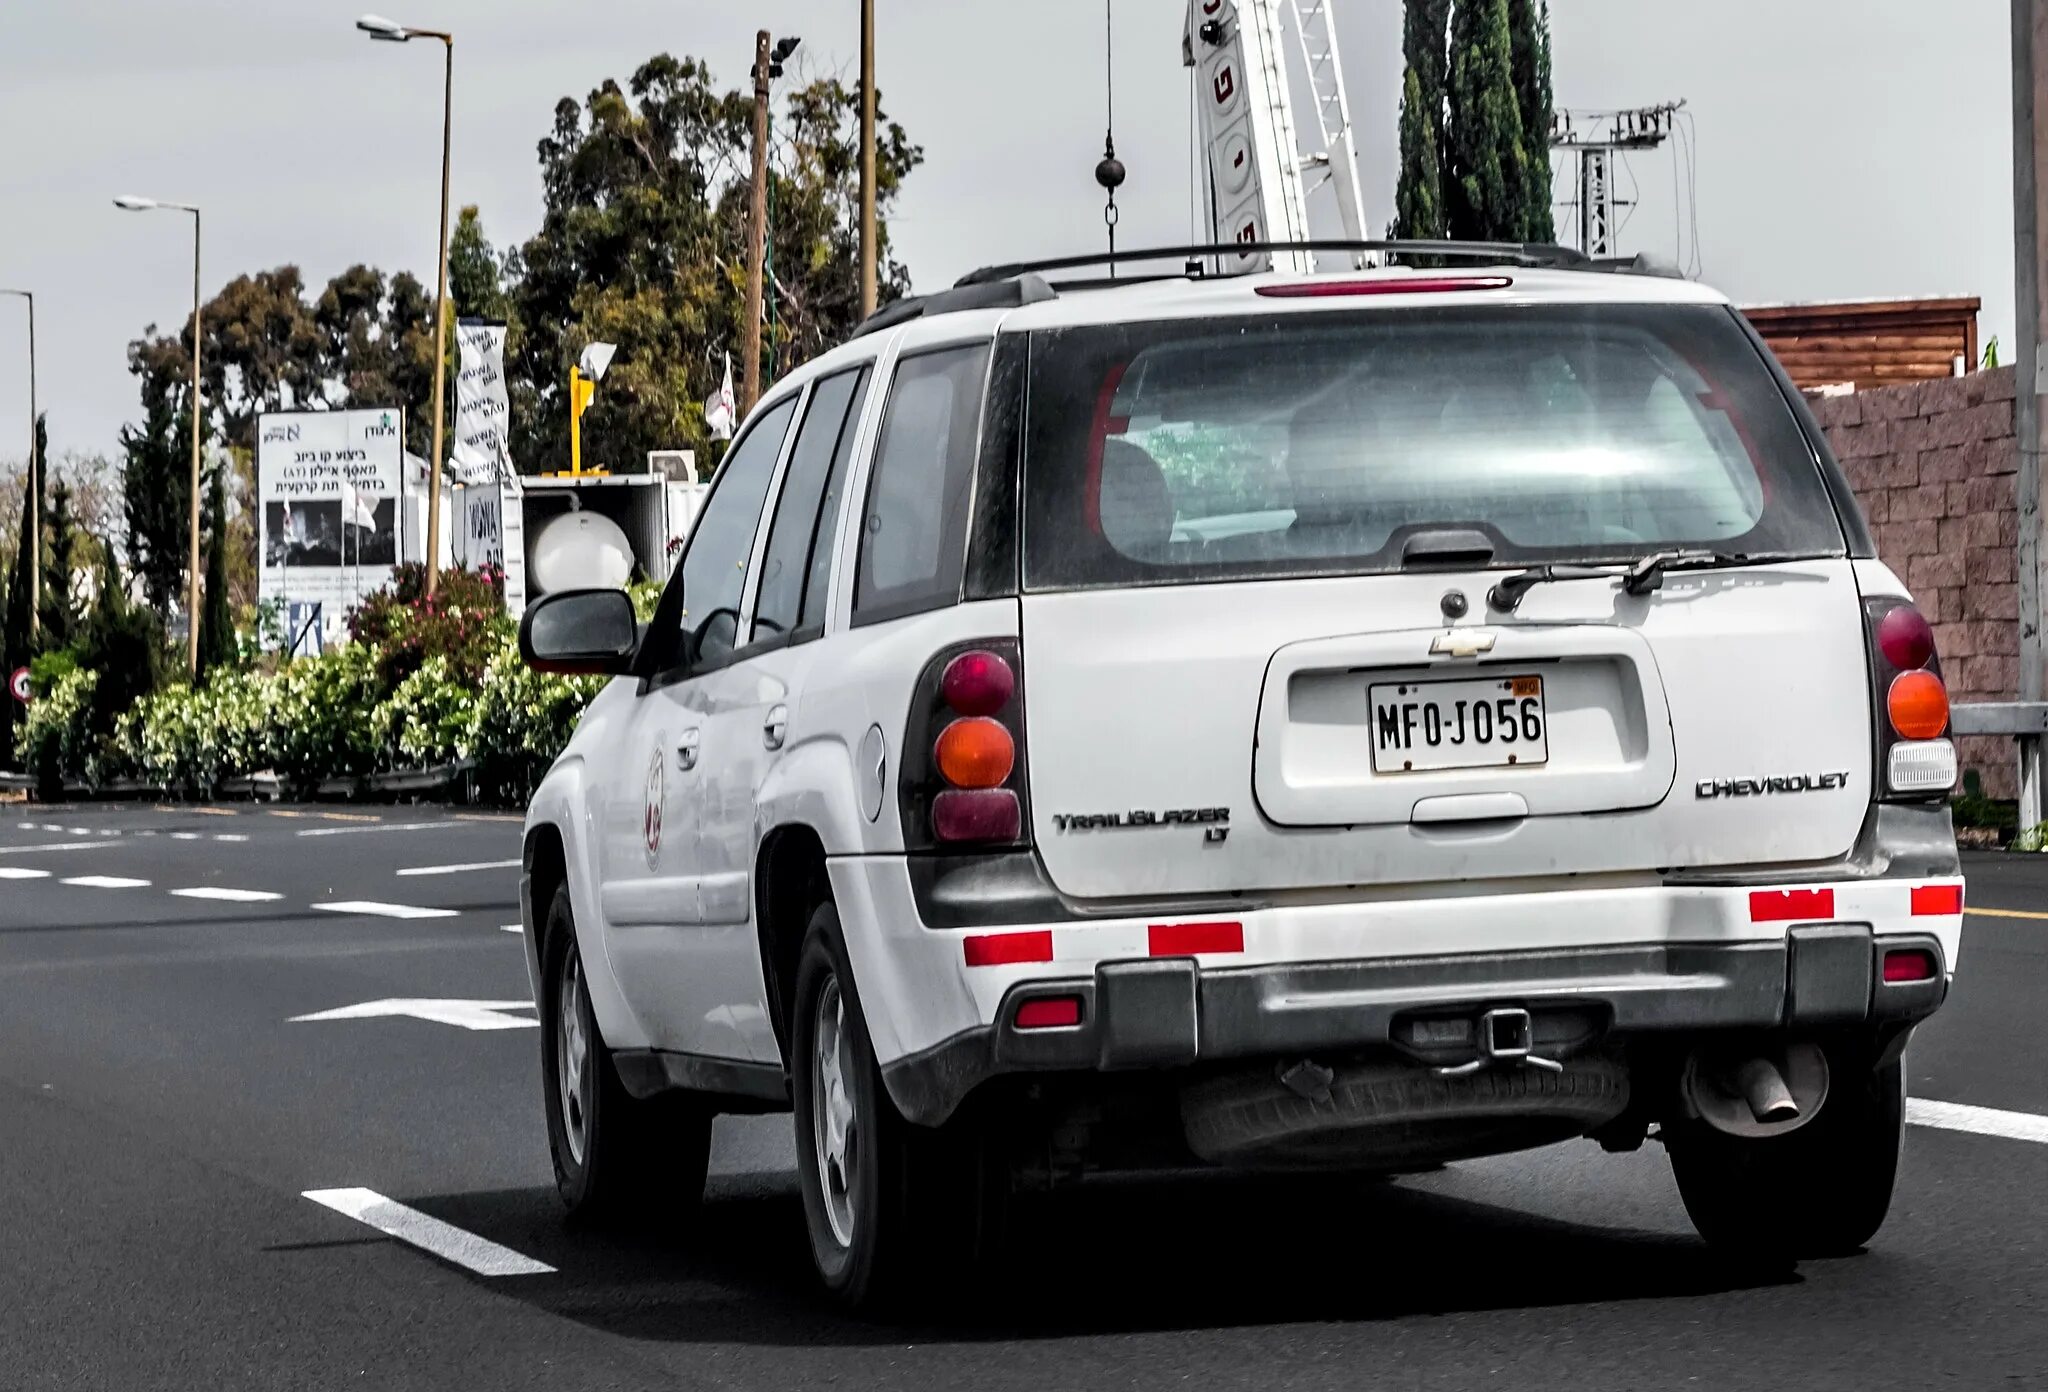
point(1494, 723)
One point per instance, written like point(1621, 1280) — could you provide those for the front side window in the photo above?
point(914, 531)
point(1320, 443)
point(703, 627)
point(797, 565)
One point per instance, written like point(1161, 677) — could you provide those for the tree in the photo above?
point(124, 643)
point(59, 590)
point(216, 616)
point(475, 272)
point(156, 484)
point(1529, 28)
point(1418, 198)
point(15, 647)
point(643, 244)
point(1487, 193)
point(1418, 194)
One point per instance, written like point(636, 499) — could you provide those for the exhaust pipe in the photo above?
point(1763, 1088)
point(1754, 1095)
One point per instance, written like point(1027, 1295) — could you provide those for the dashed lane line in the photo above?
point(51, 846)
point(464, 869)
point(381, 826)
point(16, 872)
point(512, 928)
point(105, 882)
point(373, 909)
point(225, 895)
point(429, 1234)
point(1980, 1121)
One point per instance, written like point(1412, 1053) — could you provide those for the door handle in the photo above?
point(775, 729)
point(686, 749)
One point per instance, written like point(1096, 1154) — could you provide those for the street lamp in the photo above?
point(31, 493)
point(130, 203)
point(390, 31)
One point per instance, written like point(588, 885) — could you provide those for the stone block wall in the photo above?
point(1935, 465)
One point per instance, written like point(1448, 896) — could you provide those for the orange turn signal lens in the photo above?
point(977, 753)
point(1918, 704)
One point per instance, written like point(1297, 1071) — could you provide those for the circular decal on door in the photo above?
point(651, 812)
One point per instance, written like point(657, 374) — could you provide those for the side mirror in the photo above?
point(580, 632)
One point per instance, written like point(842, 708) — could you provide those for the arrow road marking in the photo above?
point(460, 869)
point(374, 909)
point(444, 1240)
point(463, 1014)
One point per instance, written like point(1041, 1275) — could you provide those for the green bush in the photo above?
point(463, 621)
point(191, 740)
point(429, 721)
point(56, 741)
point(320, 716)
point(522, 720)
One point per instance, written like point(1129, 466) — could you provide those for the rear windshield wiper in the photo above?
point(1640, 578)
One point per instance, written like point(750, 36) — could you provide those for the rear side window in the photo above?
point(1320, 443)
point(796, 569)
point(914, 530)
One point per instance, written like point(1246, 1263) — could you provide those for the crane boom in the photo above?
point(1316, 31)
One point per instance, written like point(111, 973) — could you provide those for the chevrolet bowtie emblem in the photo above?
point(1461, 643)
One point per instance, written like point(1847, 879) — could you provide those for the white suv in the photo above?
point(1353, 721)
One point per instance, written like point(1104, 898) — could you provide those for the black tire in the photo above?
point(909, 1209)
point(616, 1156)
point(1397, 1117)
point(1820, 1191)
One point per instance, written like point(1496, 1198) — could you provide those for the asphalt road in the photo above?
point(164, 1112)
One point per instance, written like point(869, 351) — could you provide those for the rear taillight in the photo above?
point(963, 783)
point(1914, 760)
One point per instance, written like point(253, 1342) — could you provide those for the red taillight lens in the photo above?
point(1052, 1012)
point(1937, 899)
point(982, 814)
point(1909, 964)
point(975, 753)
point(1918, 705)
point(1389, 285)
point(1905, 639)
point(977, 683)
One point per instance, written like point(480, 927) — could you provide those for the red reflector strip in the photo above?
point(1911, 964)
point(1003, 949)
point(1391, 285)
point(1937, 899)
point(1787, 905)
point(1056, 1012)
point(1187, 939)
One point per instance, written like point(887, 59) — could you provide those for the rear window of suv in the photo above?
point(1311, 444)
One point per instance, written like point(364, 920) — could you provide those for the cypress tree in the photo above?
point(1486, 194)
point(216, 620)
point(59, 613)
point(15, 649)
point(1418, 194)
point(1529, 24)
point(1418, 198)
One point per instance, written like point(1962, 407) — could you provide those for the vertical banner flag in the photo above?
point(482, 409)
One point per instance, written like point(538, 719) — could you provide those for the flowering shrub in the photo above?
point(522, 720)
point(193, 739)
point(56, 738)
point(320, 716)
point(463, 621)
point(430, 720)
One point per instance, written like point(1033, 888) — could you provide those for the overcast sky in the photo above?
point(1847, 148)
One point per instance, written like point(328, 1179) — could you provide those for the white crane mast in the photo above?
point(1251, 161)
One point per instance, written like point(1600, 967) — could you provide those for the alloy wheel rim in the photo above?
point(572, 1059)
point(835, 1130)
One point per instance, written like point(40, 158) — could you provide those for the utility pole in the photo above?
point(2030, 184)
point(757, 235)
point(869, 251)
point(1606, 134)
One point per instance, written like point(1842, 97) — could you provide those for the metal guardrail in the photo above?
point(2026, 723)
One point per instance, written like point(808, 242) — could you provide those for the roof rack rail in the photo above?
point(1010, 292)
point(1488, 253)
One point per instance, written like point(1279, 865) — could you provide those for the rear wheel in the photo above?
point(1820, 1191)
point(892, 1209)
point(615, 1155)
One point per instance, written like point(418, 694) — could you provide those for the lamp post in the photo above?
point(130, 203)
point(390, 31)
point(32, 492)
point(869, 277)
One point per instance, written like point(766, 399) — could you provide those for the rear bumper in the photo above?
point(942, 969)
point(1175, 1012)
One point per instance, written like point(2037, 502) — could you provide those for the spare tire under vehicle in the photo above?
point(1395, 1115)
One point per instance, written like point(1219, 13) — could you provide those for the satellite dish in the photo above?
point(579, 551)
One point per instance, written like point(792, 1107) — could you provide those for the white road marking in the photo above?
point(226, 896)
point(16, 872)
point(361, 830)
point(459, 869)
point(1981, 1121)
point(463, 1014)
point(444, 1240)
point(374, 909)
point(512, 928)
point(230, 836)
point(184, 836)
point(106, 882)
point(51, 846)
